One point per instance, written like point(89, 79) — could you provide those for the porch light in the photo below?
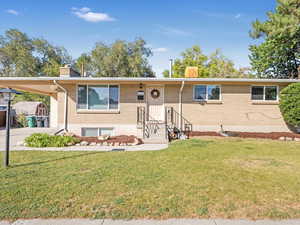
point(8, 95)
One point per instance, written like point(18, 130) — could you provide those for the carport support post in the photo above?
point(6, 156)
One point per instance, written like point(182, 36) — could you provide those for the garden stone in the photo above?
point(20, 143)
point(84, 143)
point(99, 144)
point(78, 144)
point(289, 139)
point(136, 141)
point(103, 138)
point(104, 143)
point(69, 134)
point(93, 144)
point(70, 144)
point(297, 139)
point(282, 138)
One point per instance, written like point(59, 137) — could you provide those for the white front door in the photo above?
point(155, 102)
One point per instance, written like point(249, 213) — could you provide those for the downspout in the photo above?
point(65, 107)
point(180, 105)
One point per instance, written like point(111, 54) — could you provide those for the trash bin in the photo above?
point(46, 121)
point(39, 121)
point(31, 122)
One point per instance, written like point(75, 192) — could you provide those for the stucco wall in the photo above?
point(235, 111)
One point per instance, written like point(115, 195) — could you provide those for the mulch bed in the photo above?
point(200, 133)
point(272, 135)
point(114, 139)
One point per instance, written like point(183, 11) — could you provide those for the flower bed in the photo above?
point(285, 136)
point(121, 140)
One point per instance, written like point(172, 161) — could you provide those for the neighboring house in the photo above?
point(2, 112)
point(31, 108)
point(144, 106)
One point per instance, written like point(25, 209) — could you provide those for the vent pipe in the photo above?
point(171, 68)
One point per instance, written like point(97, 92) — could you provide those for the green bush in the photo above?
point(290, 104)
point(40, 140)
point(21, 120)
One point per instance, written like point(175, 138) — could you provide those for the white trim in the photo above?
point(97, 110)
point(264, 93)
point(137, 79)
point(206, 97)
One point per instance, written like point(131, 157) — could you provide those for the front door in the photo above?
point(155, 102)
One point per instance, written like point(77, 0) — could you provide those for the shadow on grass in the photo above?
point(54, 160)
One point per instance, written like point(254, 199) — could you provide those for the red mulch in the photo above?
point(200, 133)
point(272, 135)
point(115, 139)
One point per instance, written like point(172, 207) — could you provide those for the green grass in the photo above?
point(226, 178)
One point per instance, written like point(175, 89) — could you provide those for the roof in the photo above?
point(48, 85)
point(27, 108)
point(143, 79)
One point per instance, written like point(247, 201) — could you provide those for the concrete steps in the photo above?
point(155, 133)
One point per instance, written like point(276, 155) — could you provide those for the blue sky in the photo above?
point(168, 26)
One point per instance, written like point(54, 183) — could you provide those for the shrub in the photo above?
point(39, 140)
point(290, 104)
point(21, 120)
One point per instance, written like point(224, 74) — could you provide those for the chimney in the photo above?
point(191, 72)
point(68, 71)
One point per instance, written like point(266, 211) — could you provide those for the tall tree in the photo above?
point(214, 65)
point(120, 59)
point(278, 56)
point(21, 55)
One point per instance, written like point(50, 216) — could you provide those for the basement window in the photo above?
point(264, 93)
point(95, 132)
point(207, 92)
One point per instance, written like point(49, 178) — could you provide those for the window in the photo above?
point(207, 92)
point(98, 97)
point(264, 93)
point(95, 132)
point(89, 132)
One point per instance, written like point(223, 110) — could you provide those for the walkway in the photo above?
point(19, 134)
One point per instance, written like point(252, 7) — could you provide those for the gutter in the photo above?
point(180, 104)
point(65, 108)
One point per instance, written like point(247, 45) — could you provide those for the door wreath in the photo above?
point(155, 93)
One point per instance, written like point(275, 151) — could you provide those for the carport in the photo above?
point(38, 85)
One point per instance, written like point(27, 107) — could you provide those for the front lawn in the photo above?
point(226, 178)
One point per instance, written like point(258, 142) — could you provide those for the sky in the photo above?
point(168, 26)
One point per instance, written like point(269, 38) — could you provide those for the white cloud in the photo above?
point(237, 16)
point(86, 14)
point(13, 12)
point(173, 31)
point(159, 50)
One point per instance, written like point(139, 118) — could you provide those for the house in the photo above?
point(149, 107)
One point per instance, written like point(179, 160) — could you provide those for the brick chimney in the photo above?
point(68, 71)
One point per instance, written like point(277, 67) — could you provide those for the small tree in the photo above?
point(290, 104)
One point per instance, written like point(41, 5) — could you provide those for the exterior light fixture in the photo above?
point(8, 95)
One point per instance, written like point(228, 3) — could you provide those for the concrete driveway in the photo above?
point(19, 134)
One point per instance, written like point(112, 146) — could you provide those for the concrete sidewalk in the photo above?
point(149, 222)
